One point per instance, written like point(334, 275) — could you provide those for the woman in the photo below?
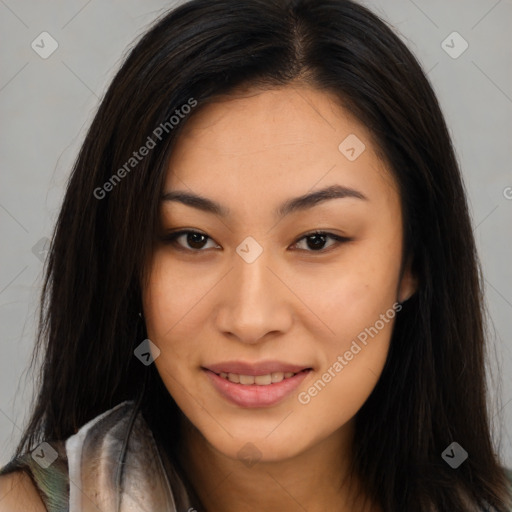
point(263, 292)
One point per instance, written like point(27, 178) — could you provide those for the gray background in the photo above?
point(46, 105)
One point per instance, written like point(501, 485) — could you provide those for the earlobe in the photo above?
point(408, 284)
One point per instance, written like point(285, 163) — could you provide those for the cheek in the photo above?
point(352, 292)
point(333, 399)
point(360, 307)
point(351, 368)
point(172, 297)
point(167, 299)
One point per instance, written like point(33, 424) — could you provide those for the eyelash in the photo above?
point(172, 237)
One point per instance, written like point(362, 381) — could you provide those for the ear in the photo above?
point(408, 284)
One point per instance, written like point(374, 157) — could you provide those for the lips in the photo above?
point(256, 385)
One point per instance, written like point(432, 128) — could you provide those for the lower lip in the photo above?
point(255, 395)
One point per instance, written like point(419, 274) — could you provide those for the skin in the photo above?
point(251, 152)
point(19, 494)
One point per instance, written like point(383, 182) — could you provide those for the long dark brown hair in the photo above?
point(432, 391)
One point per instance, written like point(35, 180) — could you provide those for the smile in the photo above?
point(260, 380)
point(261, 389)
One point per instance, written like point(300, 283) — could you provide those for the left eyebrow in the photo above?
point(295, 204)
point(309, 200)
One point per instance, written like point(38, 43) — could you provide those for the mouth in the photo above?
point(259, 380)
point(257, 385)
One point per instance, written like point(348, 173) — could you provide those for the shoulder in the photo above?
point(43, 482)
point(115, 446)
point(38, 480)
point(19, 494)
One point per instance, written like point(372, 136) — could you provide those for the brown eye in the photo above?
point(191, 240)
point(315, 242)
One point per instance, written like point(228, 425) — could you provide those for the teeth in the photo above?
point(263, 380)
point(260, 380)
point(246, 379)
point(277, 376)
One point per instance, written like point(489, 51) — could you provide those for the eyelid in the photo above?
point(171, 239)
point(338, 239)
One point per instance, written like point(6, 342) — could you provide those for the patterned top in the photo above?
point(111, 464)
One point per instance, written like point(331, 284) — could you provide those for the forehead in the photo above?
point(289, 138)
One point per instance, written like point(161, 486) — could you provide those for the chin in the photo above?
point(250, 449)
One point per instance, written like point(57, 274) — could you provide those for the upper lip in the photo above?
point(259, 368)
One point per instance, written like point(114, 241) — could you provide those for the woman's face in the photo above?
point(255, 296)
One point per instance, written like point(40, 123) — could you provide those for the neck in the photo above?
point(315, 480)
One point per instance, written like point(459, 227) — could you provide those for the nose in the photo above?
point(255, 303)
